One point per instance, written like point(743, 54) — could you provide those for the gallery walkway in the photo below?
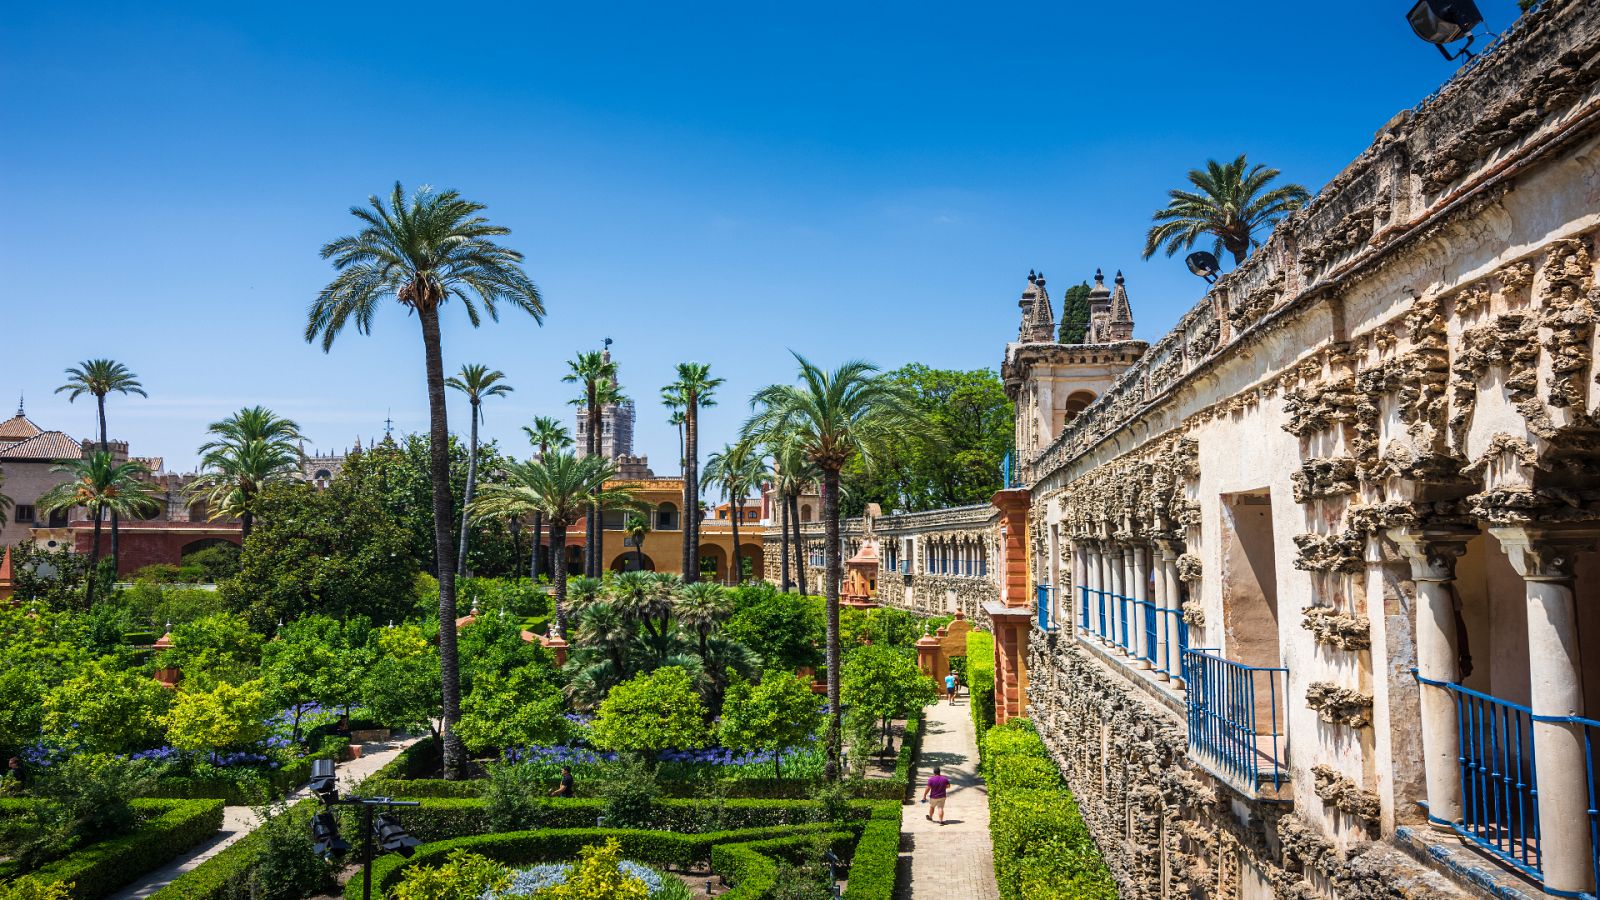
point(954, 859)
point(238, 821)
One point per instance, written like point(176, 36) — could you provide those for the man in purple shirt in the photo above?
point(934, 793)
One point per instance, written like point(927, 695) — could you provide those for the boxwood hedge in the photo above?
point(166, 829)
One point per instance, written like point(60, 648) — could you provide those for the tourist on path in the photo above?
point(950, 688)
point(934, 794)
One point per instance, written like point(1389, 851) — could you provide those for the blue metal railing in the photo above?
point(1161, 627)
point(1499, 777)
point(1234, 721)
point(1044, 595)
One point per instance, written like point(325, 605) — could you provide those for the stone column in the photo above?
point(1141, 592)
point(1545, 558)
point(1433, 554)
point(1170, 552)
point(1114, 582)
point(1079, 576)
point(1129, 621)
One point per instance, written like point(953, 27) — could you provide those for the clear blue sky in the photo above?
point(719, 184)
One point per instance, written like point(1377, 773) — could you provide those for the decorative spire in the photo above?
point(20, 411)
point(1120, 326)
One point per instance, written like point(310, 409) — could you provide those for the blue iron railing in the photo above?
point(1045, 595)
point(1161, 627)
point(1499, 777)
point(1234, 721)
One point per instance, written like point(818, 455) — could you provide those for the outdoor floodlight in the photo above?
point(1441, 22)
point(325, 839)
point(324, 783)
point(392, 838)
point(1203, 264)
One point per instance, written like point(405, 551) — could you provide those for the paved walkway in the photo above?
point(955, 859)
point(238, 821)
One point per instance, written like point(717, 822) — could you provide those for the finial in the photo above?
point(1032, 277)
point(388, 422)
point(1119, 276)
point(19, 404)
point(1041, 279)
point(1099, 277)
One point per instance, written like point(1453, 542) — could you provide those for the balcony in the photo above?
point(1044, 601)
point(1236, 728)
point(1117, 617)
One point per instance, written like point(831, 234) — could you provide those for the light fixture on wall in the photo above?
point(1204, 265)
point(1441, 22)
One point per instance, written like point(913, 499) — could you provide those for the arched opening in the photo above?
point(667, 517)
point(205, 544)
point(323, 475)
point(574, 559)
point(805, 512)
point(1077, 402)
point(713, 563)
point(753, 559)
point(633, 562)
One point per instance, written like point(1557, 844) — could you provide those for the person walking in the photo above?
point(950, 688)
point(933, 794)
point(564, 789)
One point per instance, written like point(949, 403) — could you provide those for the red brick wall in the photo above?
point(141, 546)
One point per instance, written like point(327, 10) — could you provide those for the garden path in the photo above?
point(955, 859)
point(238, 821)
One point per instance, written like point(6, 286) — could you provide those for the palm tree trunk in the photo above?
point(538, 545)
point(733, 516)
point(691, 483)
point(247, 522)
point(830, 555)
point(466, 501)
point(94, 562)
point(799, 545)
point(558, 562)
point(439, 470)
point(591, 519)
point(783, 539)
point(683, 519)
point(638, 554)
point(105, 447)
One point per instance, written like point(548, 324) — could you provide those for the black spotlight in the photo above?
point(324, 783)
point(325, 839)
point(392, 838)
point(1441, 22)
point(1203, 264)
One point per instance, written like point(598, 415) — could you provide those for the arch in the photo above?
point(631, 562)
point(754, 560)
point(713, 562)
point(205, 544)
point(574, 559)
point(805, 512)
point(1077, 402)
point(667, 517)
point(322, 475)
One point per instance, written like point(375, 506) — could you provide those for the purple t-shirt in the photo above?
point(937, 785)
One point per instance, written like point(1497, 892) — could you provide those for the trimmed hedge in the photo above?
point(736, 788)
point(167, 829)
point(751, 867)
point(877, 859)
point(1042, 848)
point(279, 783)
point(980, 681)
point(227, 874)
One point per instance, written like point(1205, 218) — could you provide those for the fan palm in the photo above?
point(424, 251)
point(1231, 203)
point(739, 469)
point(597, 373)
point(545, 434)
point(561, 485)
point(694, 390)
point(99, 377)
point(583, 592)
point(834, 417)
point(637, 526)
point(100, 485)
point(702, 606)
point(478, 383)
point(643, 598)
point(247, 451)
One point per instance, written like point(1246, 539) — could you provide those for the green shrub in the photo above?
point(630, 795)
point(231, 874)
point(288, 867)
point(980, 671)
point(752, 866)
point(876, 861)
point(168, 828)
point(513, 796)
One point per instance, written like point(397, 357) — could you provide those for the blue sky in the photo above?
point(720, 183)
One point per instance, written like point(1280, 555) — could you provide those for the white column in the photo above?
point(1433, 556)
point(1544, 559)
point(1113, 587)
point(1141, 592)
point(1127, 624)
point(1173, 602)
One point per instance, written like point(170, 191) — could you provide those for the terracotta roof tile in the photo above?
point(18, 428)
point(45, 445)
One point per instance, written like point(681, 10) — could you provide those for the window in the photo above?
point(667, 517)
point(613, 519)
point(23, 514)
point(58, 518)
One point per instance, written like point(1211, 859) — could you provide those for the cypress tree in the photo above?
point(1075, 314)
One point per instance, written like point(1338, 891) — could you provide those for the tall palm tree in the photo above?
point(422, 251)
point(545, 434)
point(478, 383)
point(247, 451)
point(1231, 203)
point(100, 485)
point(738, 468)
point(637, 526)
point(99, 377)
point(851, 412)
point(694, 390)
point(792, 474)
point(563, 486)
point(596, 371)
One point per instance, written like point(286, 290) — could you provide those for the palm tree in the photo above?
point(561, 485)
point(738, 468)
point(694, 390)
point(792, 474)
point(834, 417)
point(546, 434)
point(424, 251)
point(701, 606)
point(598, 375)
point(100, 485)
point(248, 450)
point(642, 597)
point(99, 377)
point(478, 383)
point(1229, 204)
point(637, 527)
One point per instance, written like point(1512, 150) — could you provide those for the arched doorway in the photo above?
point(713, 563)
point(205, 544)
point(752, 557)
point(805, 512)
point(632, 562)
point(574, 559)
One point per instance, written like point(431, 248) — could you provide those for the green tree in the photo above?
point(97, 378)
point(214, 649)
point(793, 474)
point(424, 251)
point(520, 709)
point(837, 417)
point(1230, 203)
point(21, 709)
point(306, 665)
point(100, 485)
point(700, 607)
point(885, 683)
point(402, 688)
point(478, 383)
point(739, 469)
point(54, 578)
point(223, 718)
point(776, 714)
point(545, 434)
point(637, 526)
point(693, 391)
point(335, 551)
point(1075, 314)
point(650, 713)
point(107, 710)
point(786, 630)
point(247, 451)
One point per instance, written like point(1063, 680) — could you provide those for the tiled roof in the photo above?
point(44, 445)
point(18, 428)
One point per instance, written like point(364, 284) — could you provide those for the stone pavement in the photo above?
point(238, 821)
point(954, 860)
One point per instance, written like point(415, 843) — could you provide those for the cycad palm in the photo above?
point(1231, 203)
point(597, 373)
point(247, 451)
point(99, 377)
point(478, 383)
point(694, 390)
point(562, 486)
point(739, 469)
point(702, 606)
point(545, 434)
point(637, 526)
point(643, 598)
point(100, 485)
point(422, 252)
point(833, 417)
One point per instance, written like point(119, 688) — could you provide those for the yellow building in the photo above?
point(661, 504)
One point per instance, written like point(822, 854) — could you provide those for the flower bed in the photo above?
point(167, 828)
point(524, 882)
